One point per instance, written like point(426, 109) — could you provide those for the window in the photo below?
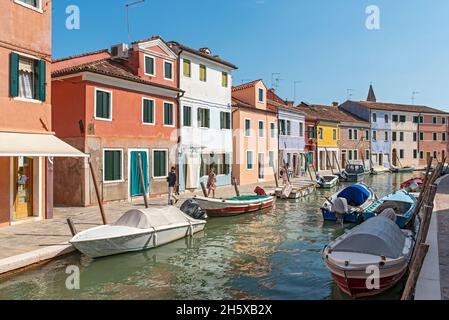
point(249, 160)
point(168, 70)
point(367, 135)
point(393, 137)
point(421, 136)
point(103, 104)
point(271, 159)
point(150, 68)
point(402, 118)
point(415, 136)
point(386, 118)
point(356, 134)
point(401, 154)
point(374, 117)
point(350, 155)
point(224, 79)
point(435, 136)
point(434, 120)
point(261, 129)
point(247, 128)
point(366, 154)
point(415, 119)
point(261, 95)
point(421, 119)
point(395, 118)
point(148, 111)
point(221, 163)
point(443, 120)
point(311, 132)
point(435, 155)
point(169, 114)
point(415, 154)
point(301, 129)
point(320, 133)
point(187, 116)
point(350, 134)
point(272, 130)
point(421, 155)
point(203, 118)
point(289, 128)
point(160, 163)
point(27, 78)
point(401, 136)
point(386, 135)
point(225, 120)
point(203, 73)
point(112, 165)
point(186, 68)
point(334, 134)
point(374, 135)
point(33, 4)
point(282, 127)
point(443, 136)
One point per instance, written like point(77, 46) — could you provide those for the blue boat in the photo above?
point(348, 203)
point(402, 202)
point(353, 173)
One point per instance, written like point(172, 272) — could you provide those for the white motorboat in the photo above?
point(137, 229)
point(328, 181)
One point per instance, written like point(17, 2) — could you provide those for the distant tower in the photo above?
point(371, 95)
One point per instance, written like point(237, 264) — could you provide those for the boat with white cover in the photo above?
point(137, 229)
point(378, 242)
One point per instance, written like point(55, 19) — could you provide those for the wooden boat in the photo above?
point(377, 242)
point(400, 201)
point(353, 173)
point(412, 185)
point(348, 203)
point(327, 182)
point(137, 229)
point(402, 169)
point(234, 206)
point(297, 191)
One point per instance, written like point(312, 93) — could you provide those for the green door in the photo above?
point(136, 189)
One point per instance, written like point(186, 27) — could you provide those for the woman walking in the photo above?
point(211, 183)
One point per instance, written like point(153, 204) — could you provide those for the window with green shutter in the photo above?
point(14, 75)
point(249, 160)
point(169, 119)
point(168, 70)
point(187, 116)
point(421, 136)
point(112, 165)
point(149, 66)
point(103, 104)
point(261, 129)
point(203, 118)
point(148, 111)
point(272, 130)
point(282, 127)
point(247, 127)
point(225, 120)
point(160, 163)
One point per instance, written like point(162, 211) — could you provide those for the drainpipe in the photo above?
point(418, 137)
point(180, 95)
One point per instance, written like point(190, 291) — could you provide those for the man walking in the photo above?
point(171, 179)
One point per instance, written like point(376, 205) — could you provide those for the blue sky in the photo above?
point(323, 43)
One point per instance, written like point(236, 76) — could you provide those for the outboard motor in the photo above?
point(389, 213)
point(320, 179)
point(191, 208)
point(340, 207)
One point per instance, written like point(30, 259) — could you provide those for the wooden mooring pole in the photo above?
point(142, 181)
point(203, 187)
point(97, 192)
point(236, 187)
point(275, 176)
point(72, 227)
point(414, 271)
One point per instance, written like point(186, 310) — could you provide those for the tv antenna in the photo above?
point(414, 93)
point(350, 93)
point(127, 16)
point(275, 80)
point(294, 88)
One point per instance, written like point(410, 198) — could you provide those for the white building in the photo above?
point(205, 117)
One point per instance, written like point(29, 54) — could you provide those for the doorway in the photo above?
point(261, 166)
point(134, 173)
point(381, 159)
point(395, 157)
point(23, 188)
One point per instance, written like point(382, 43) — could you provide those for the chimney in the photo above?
point(335, 104)
point(205, 51)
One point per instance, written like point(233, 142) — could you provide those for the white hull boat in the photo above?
point(328, 182)
point(137, 230)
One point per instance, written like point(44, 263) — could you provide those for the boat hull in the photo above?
point(296, 193)
point(348, 217)
point(225, 208)
point(144, 240)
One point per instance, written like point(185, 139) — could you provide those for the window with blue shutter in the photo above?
point(14, 75)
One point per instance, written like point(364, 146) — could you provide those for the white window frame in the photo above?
point(163, 114)
point(272, 130)
point(301, 129)
point(258, 129)
point(374, 135)
point(147, 151)
point(110, 104)
point(154, 111)
point(355, 133)
point(122, 179)
point(172, 70)
point(258, 95)
point(244, 128)
point(252, 160)
point(26, 5)
point(145, 65)
point(199, 124)
point(152, 164)
point(269, 154)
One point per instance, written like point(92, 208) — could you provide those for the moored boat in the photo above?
point(402, 169)
point(295, 191)
point(412, 185)
point(234, 206)
point(402, 202)
point(348, 203)
point(137, 229)
point(327, 181)
point(375, 170)
point(378, 242)
point(353, 173)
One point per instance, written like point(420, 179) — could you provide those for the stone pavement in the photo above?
point(32, 242)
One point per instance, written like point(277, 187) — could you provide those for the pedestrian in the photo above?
point(171, 179)
point(284, 176)
point(211, 183)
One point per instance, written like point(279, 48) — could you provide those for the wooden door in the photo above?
point(23, 188)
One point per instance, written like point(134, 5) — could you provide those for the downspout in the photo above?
point(180, 95)
point(418, 137)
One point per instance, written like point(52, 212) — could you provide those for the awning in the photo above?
point(35, 145)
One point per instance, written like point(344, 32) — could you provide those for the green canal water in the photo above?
point(266, 255)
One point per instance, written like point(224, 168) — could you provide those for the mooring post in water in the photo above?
point(275, 176)
point(142, 181)
point(72, 226)
point(203, 187)
point(236, 187)
point(97, 192)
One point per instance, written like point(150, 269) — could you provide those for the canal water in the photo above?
point(267, 255)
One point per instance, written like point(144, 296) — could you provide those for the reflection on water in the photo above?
point(274, 254)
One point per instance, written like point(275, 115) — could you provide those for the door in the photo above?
point(343, 159)
point(261, 166)
point(381, 159)
point(23, 188)
point(295, 165)
point(395, 157)
point(134, 173)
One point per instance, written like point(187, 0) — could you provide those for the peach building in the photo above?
point(116, 106)
point(255, 137)
point(27, 143)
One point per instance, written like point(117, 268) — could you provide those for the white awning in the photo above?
point(35, 145)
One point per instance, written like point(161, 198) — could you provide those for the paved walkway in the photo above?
point(433, 283)
point(32, 242)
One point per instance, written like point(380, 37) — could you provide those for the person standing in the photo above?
point(172, 179)
point(211, 183)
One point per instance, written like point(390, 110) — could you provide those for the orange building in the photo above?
point(115, 106)
point(27, 143)
point(255, 137)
